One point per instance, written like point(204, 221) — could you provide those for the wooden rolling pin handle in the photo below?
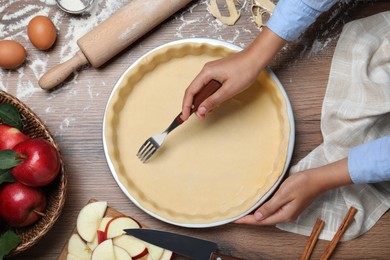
point(58, 74)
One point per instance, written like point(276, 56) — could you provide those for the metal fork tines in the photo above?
point(152, 144)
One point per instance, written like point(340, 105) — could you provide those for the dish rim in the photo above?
point(266, 196)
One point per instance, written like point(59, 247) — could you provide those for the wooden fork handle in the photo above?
point(209, 89)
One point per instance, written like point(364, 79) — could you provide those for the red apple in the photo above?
point(21, 205)
point(10, 136)
point(40, 162)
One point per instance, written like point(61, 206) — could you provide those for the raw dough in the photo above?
point(259, 8)
point(206, 171)
point(228, 20)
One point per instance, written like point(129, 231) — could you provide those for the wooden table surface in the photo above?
point(74, 112)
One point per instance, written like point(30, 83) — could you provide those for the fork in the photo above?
point(151, 145)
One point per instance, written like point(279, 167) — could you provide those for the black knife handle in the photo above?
point(218, 256)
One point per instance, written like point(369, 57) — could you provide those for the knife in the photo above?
point(191, 247)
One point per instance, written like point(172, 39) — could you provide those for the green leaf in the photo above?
point(6, 176)
point(9, 159)
point(9, 115)
point(8, 241)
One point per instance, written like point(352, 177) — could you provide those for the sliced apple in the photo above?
point(167, 255)
point(72, 257)
point(121, 254)
point(104, 251)
point(115, 226)
point(100, 234)
point(89, 219)
point(99, 238)
point(154, 252)
point(134, 246)
point(77, 247)
point(104, 223)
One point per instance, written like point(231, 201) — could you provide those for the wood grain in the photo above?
point(74, 113)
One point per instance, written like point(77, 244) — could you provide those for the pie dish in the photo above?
point(207, 173)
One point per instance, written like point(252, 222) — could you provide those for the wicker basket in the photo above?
point(55, 191)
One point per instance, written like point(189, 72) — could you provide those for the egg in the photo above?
point(41, 32)
point(12, 54)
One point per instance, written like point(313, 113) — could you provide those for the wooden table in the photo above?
point(74, 114)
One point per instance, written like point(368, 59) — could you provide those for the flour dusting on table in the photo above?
point(23, 82)
point(13, 26)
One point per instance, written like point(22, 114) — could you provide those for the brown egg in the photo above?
point(12, 54)
point(41, 32)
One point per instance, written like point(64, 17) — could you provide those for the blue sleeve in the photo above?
point(292, 17)
point(370, 162)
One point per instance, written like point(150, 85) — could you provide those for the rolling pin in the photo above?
point(113, 35)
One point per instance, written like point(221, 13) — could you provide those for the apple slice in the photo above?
point(121, 254)
point(134, 246)
point(104, 251)
point(100, 234)
point(77, 247)
point(154, 252)
point(89, 219)
point(115, 226)
point(72, 257)
point(99, 238)
point(167, 255)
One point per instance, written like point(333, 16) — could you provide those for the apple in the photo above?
point(135, 247)
point(167, 255)
point(103, 251)
point(154, 252)
point(89, 219)
point(21, 205)
point(121, 254)
point(116, 226)
point(78, 248)
point(40, 162)
point(10, 136)
point(100, 234)
point(72, 257)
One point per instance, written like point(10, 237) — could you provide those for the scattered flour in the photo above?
point(70, 28)
point(67, 122)
point(319, 46)
point(23, 82)
point(13, 26)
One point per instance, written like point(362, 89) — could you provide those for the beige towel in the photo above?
point(355, 110)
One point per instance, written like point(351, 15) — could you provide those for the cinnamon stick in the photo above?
point(315, 233)
point(343, 227)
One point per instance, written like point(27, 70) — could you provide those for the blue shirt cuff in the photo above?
point(292, 17)
point(370, 162)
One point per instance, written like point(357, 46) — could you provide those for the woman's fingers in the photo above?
point(280, 215)
point(234, 72)
point(196, 85)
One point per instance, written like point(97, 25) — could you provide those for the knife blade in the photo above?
point(194, 248)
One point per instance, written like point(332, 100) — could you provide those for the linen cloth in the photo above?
point(355, 110)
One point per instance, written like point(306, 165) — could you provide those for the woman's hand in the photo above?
point(294, 195)
point(236, 72)
point(297, 192)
